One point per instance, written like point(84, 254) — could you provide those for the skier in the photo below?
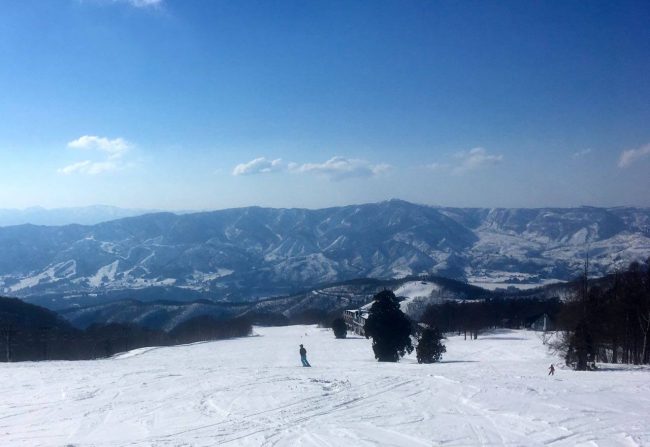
point(303, 356)
point(551, 370)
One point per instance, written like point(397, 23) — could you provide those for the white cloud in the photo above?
point(112, 154)
point(134, 3)
point(475, 159)
point(115, 148)
point(89, 167)
point(631, 155)
point(341, 168)
point(582, 153)
point(145, 3)
point(259, 166)
point(437, 166)
point(336, 168)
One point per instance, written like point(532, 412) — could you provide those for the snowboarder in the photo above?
point(551, 370)
point(303, 356)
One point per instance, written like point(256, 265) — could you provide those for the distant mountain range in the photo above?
point(251, 253)
point(85, 215)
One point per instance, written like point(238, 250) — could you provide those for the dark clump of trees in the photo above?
point(31, 333)
point(320, 317)
point(206, 328)
point(389, 328)
point(472, 317)
point(310, 316)
point(339, 327)
point(608, 320)
point(430, 347)
point(267, 319)
point(105, 340)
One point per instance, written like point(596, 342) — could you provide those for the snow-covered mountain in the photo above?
point(258, 252)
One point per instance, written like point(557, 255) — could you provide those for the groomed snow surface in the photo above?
point(252, 392)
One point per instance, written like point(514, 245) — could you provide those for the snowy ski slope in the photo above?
point(251, 392)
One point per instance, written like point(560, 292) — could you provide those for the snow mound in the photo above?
point(418, 295)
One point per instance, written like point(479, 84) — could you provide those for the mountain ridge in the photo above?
point(254, 252)
point(82, 215)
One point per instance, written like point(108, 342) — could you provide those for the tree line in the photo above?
point(604, 320)
point(472, 317)
point(607, 320)
point(31, 333)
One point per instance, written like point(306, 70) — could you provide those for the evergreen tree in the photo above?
point(389, 328)
point(339, 328)
point(430, 347)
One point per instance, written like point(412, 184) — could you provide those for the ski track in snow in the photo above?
point(493, 391)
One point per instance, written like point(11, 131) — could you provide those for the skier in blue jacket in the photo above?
point(303, 356)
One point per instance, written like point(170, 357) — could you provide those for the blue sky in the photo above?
point(183, 104)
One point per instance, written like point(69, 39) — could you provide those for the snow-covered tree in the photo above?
point(430, 347)
point(389, 328)
point(339, 328)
